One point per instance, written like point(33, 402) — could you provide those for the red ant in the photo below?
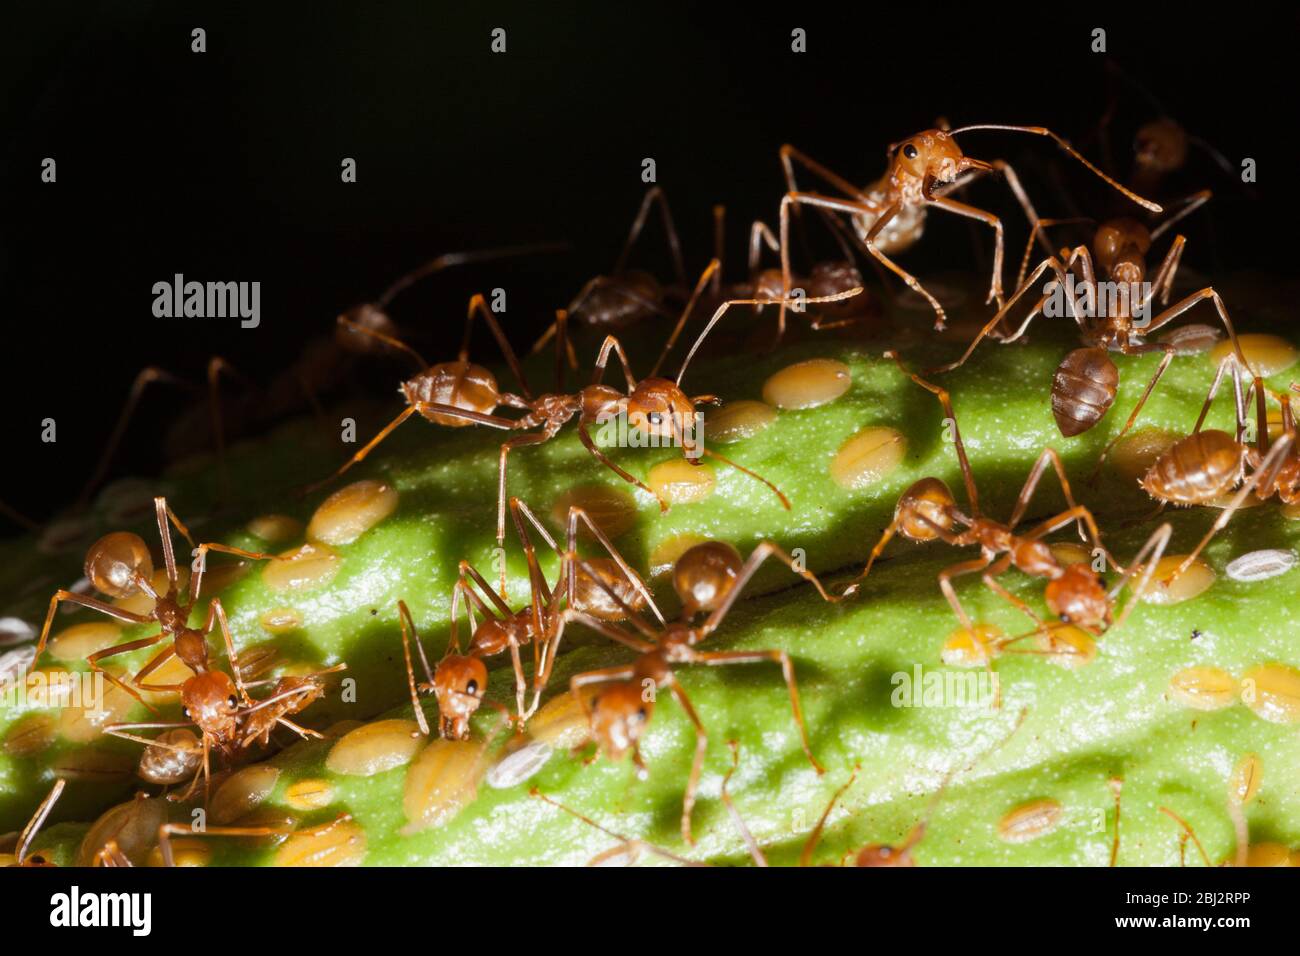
point(620, 711)
point(459, 681)
point(889, 214)
point(1074, 593)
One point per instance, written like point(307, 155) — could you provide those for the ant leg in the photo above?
point(390, 341)
point(1187, 832)
point(161, 512)
point(217, 365)
point(945, 401)
point(755, 852)
point(562, 347)
point(519, 441)
point(586, 439)
point(761, 553)
point(805, 857)
point(216, 609)
point(404, 618)
point(1189, 203)
point(642, 645)
point(945, 585)
point(789, 156)
point(626, 844)
point(697, 760)
point(1022, 197)
point(990, 578)
point(1171, 313)
point(1265, 476)
point(94, 659)
point(715, 658)
point(201, 562)
point(1163, 282)
point(1031, 485)
point(654, 195)
point(1151, 552)
point(1169, 351)
point(1050, 263)
point(1228, 361)
point(994, 223)
point(885, 538)
point(365, 449)
point(451, 259)
point(1039, 233)
point(478, 305)
point(146, 377)
point(167, 830)
point(155, 662)
point(82, 600)
point(710, 270)
point(38, 820)
point(578, 513)
point(18, 517)
point(612, 343)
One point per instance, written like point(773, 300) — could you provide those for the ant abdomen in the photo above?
point(704, 575)
point(922, 507)
point(117, 562)
point(461, 385)
point(1196, 469)
point(1083, 389)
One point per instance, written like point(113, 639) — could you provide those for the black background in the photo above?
point(225, 165)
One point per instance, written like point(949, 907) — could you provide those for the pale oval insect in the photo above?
point(186, 851)
point(562, 722)
point(93, 766)
point(1269, 854)
point(167, 766)
point(1135, 453)
point(350, 512)
point(1204, 688)
point(13, 664)
point(869, 457)
point(736, 421)
point(1069, 552)
point(1267, 354)
point(339, 843)
point(612, 510)
point(1194, 581)
point(1245, 780)
point(30, 735)
point(302, 568)
point(971, 648)
point(275, 528)
point(807, 384)
point(132, 825)
point(680, 482)
point(241, 792)
point(1192, 339)
point(1068, 646)
point(1029, 821)
point(309, 794)
point(375, 747)
point(1272, 691)
point(79, 641)
point(664, 555)
point(441, 782)
point(85, 719)
point(524, 763)
point(1261, 565)
point(280, 620)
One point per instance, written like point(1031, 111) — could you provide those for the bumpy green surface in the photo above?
point(1084, 725)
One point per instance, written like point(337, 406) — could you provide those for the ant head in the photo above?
point(880, 855)
point(657, 406)
point(926, 504)
point(1120, 244)
point(619, 714)
point(1160, 146)
point(1078, 597)
point(935, 154)
point(462, 385)
point(116, 563)
point(459, 683)
point(590, 597)
point(211, 700)
point(366, 318)
point(704, 575)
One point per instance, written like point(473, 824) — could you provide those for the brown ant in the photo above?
point(889, 215)
point(620, 711)
point(119, 565)
point(460, 680)
point(1209, 463)
point(1074, 594)
point(459, 393)
point(21, 857)
point(613, 302)
point(1086, 381)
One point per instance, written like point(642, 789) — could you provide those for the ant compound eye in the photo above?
point(472, 688)
point(641, 714)
point(910, 151)
point(232, 701)
point(654, 418)
point(185, 712)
